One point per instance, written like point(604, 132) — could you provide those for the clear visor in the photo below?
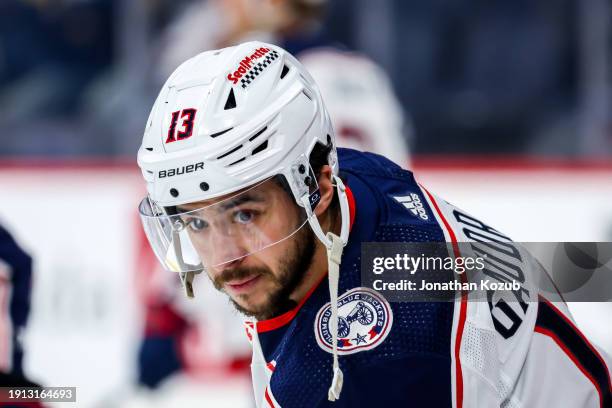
point(206, 234)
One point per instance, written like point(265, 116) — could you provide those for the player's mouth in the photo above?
point(241, 286)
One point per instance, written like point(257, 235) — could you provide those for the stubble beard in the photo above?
point(291, 273)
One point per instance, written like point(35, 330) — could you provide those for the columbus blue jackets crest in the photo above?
point(364, 320)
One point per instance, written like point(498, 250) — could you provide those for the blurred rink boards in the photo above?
point(79, 222)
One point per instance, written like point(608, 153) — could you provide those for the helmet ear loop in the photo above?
point(344, 214)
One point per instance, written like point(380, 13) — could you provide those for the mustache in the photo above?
point(238, 273)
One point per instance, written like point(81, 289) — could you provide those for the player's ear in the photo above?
point(326, 188)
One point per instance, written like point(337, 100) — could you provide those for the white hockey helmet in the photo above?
point(225, 122)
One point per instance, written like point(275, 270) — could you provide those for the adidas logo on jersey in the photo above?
point(413, 203)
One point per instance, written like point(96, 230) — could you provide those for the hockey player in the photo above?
point(246, 186)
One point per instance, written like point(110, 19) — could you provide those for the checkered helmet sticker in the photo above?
point(257, 69)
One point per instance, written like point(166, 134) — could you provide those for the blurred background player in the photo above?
point(358, 94)
point(15, 287)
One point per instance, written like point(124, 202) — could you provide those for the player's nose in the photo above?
point(225, 251)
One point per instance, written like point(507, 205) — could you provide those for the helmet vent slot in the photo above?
point(220, 133)
point(236, 162)
point(150, 149)
point(285, 71)
point(260, 148)
point(230, 152)
point(257, 134)
point(307, 95)
point(230, 103)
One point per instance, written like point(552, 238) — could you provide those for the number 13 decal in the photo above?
point(188, 116)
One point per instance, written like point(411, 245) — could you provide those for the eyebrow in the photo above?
point(226, 205)
point(234, 202)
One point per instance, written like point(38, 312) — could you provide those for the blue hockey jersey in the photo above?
point(405, 354)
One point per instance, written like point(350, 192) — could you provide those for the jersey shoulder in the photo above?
point(393, 189)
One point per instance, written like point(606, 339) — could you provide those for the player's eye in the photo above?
point(244, 216)
point(197, 224)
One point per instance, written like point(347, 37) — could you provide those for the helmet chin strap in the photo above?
point(334, 246)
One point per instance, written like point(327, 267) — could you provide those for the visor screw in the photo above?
point(174, 192)
point(307, 180)
point(204, 186)
point(302, 169)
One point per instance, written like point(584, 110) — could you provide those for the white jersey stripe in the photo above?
point(459, 314)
